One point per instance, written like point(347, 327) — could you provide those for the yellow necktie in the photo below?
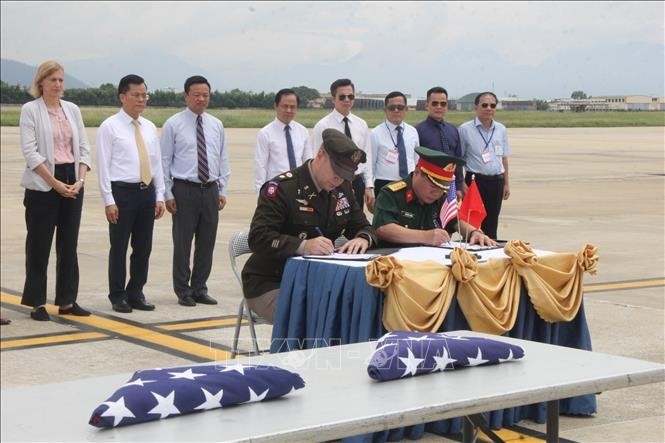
point(146, 175)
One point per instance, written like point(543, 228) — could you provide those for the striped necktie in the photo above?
point(201, 149)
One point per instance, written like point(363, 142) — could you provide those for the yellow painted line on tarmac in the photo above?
point(204, 324)
point(625, 285)
point(135, 332)
point(50, 340)
point(508, 435)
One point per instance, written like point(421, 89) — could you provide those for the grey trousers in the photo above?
point(196, 217)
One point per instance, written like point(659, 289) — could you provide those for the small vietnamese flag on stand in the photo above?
point(472, 210)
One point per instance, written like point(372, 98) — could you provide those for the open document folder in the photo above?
point(468, 247)
point(341, 256)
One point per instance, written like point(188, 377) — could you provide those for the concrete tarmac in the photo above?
point(569, 187)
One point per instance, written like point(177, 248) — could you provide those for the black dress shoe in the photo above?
point(40, 314)
point(141, 305)
point(75, 309)
point(205, 299)
point(122, 306)
point(186, 301)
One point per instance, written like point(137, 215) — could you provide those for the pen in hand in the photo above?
point(318, 231)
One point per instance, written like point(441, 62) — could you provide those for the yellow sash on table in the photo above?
point(418, 294)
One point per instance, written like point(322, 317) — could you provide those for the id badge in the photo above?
point(392, 156)
point(487, 157)
point(498, 149)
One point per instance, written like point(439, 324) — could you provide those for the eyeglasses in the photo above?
point(442, 104)
point(491, 105)
point(343, 97)
point(138, 96)
point(394, 108)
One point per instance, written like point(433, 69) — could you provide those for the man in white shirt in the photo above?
point(393, 143)
point(196, 171)
point(281, 145)
point(132, 186)
point(342, 94)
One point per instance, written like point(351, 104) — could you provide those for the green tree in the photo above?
point(541, 105)
point(306, 95)
point(578, 95)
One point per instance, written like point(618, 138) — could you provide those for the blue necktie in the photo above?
point(444, 140)
point(401, 150)
point(289, 148)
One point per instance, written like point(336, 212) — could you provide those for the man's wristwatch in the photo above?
point(82, 180)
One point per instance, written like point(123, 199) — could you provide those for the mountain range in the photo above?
point(13, 72)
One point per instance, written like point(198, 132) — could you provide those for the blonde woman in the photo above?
point(57, 155)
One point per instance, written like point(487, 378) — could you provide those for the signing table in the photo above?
point(339, 398)
point(324, 303)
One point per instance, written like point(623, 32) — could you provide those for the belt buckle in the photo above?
point(143, 186)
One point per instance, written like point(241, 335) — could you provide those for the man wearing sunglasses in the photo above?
point(393, 142)
point(342, 92)
point(485, 149)
point(437, 134)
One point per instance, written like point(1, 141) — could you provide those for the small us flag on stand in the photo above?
point(449, 208)
point(400, 354)
point(153, 394)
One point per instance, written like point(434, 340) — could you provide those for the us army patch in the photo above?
point(397, 186)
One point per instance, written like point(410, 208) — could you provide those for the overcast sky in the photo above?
point(528, 49)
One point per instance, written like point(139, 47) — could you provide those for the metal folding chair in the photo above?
point(238, 246)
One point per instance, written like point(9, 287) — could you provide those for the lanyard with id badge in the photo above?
point(487, 156)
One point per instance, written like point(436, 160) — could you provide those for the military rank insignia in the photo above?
point(271, 189)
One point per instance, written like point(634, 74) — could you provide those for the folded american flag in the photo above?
point(153, 394)
point(402, 354)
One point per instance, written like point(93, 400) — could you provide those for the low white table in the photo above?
point(339, 398)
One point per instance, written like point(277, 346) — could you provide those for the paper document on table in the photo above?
point(463, 245)
point(341, 256)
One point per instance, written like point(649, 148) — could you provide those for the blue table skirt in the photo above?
point(324, 304)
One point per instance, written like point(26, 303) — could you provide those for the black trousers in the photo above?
point(359, 190)
point(136, 218)
point(46, 213)
point(491, 191)
point(196, 217)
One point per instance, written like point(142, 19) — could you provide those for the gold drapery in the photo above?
point(418, 294)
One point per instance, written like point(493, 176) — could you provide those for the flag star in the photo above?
point(188, 374)
point(411, 363)
point(117, 410)
point(510, 357)
point(253, 397)
point(239, 367)
point(138, 382)
point(478, 360)
point(443, 361)
point(165, 406)
point(211, 401)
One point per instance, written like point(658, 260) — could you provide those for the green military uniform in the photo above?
point(290, 210)
point(397, 203)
